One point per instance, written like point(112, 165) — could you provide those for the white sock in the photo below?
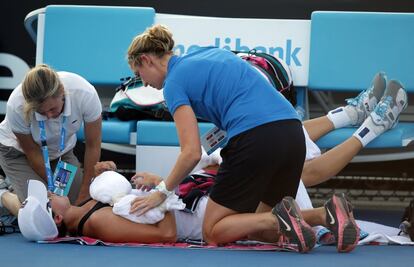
point(2, 191)
point(341, 117)
point(368, 131)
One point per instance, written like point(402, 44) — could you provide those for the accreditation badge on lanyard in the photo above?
point(64, 173)
point(213, 139)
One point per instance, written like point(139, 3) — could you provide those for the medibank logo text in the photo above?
point(286, 52)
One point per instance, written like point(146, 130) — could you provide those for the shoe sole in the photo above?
point(347, 234)
point(301, 233)
point(379, 83)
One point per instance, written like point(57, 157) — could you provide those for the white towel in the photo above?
point(208, 160)
point(152, 216)
point(382, 234)
point(113, 188)
point(109, 187)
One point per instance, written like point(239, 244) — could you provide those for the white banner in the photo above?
point(286, 39)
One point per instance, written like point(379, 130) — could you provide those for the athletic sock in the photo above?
point(343, 116)
point(368, 131)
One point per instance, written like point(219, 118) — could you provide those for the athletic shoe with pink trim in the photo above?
point(340, 221)
point(293, 226)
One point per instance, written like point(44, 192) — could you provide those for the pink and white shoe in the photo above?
point(340, 221)
point(293, 226)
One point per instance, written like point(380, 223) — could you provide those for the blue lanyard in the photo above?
point(45, 150)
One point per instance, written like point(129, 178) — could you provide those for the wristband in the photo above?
point(163, 189)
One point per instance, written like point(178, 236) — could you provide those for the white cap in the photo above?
point(35, 221)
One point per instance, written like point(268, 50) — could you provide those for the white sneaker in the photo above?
point(359, 108)
point(388, 110)
point(385, 115)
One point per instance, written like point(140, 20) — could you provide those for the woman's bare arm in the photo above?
point(108, 227)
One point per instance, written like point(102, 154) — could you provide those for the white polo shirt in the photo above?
point(82, 104)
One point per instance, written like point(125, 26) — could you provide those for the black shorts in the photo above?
point(263, 164)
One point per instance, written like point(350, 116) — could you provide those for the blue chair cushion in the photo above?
point(161, 133)
point(92, 40)
point(348, 48)
point(399, 136)
point(114, 131)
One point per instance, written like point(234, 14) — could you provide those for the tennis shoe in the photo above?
point(359, 108)
point(293, 226)
point(340, 221)
point(386, 114)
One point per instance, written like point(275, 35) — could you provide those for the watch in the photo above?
point(163, 189)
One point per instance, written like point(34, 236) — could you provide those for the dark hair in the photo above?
point(62, 228)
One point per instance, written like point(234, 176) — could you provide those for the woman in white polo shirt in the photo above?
point(43, 114)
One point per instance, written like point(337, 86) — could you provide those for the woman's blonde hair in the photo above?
point(39, 83)
point(156, 40)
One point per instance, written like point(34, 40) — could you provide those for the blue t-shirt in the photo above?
point(224, 89)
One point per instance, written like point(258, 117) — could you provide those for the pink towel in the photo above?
point(240, 245)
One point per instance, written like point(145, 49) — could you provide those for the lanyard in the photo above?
point(45, 150)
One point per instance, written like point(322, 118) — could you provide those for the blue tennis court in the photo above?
point(16, 251)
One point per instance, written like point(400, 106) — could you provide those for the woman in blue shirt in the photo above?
point(264, 156)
